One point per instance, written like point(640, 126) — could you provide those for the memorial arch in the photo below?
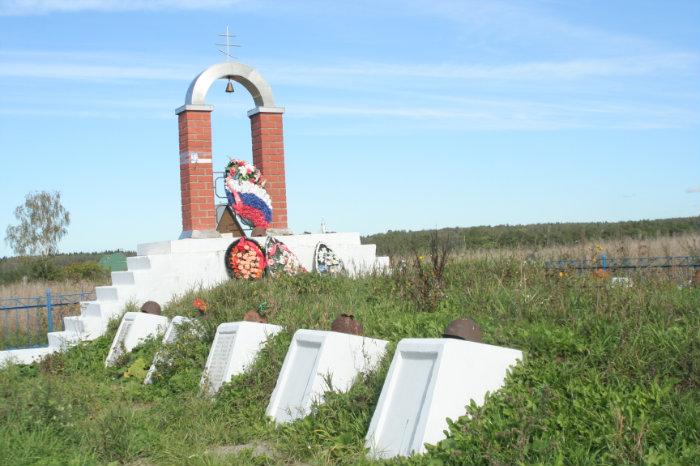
point(196, 171)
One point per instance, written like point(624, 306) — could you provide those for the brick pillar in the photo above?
point(268, 156)
point(196, 179)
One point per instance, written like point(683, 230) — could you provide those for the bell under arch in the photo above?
point(196, 172)
point(244, 75)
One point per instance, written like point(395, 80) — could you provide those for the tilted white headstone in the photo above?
point(428, 381)
point(235, 347)
point(313, 358)
point(134, 328)
point(171, 335)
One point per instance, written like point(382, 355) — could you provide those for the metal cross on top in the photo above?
point(227, 45)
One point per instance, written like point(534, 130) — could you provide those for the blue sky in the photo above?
point(399, 114)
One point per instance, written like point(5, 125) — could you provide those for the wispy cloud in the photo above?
point(693, 189)
point(427, 92)
point(535, 70)
point(37, 7)
point(505, 115)
point(93, 72)
point(509, 21)
point(85, 66)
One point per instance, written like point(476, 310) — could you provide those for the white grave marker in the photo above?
point(428, 381)
point(134, 328)
point(235, 347)
point(313, 356)
point(171, 335)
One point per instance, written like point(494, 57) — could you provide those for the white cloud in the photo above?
point(503, 115)
point(511, 21)
point(533, 71)
point(36, 7)
point(69, 65)
point(93, 72)
point(693, 189)
point(426, 92)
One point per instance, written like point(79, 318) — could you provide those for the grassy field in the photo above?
point(535, 237)
point(664, 246)
point(611, 376)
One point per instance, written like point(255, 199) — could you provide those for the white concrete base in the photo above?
point(430, 380)
point(25, 355)
point(313, 358)
point(235, 347)
point(171, 335)
point(166, 270)
point(134, 329)
point(198, 234)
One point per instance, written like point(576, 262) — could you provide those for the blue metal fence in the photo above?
point(24, 322)
point(615, 263)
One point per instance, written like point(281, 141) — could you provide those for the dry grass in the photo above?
point(684, 245)
point(25, 327)
point(31, 289)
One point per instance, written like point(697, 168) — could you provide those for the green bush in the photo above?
point(91, 271)
point(45, 269)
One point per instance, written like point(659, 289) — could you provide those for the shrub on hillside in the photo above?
point(92, 271)
point(421, 281)
point(45, 269)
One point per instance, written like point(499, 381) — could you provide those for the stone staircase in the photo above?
point(164, 270)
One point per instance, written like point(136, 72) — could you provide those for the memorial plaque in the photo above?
point(297, 393)
point(220, 357)
point(134, 328)
point(415, 371)
point(121, 340)
point(313, 357)
point(235, 347)
point(430, 380)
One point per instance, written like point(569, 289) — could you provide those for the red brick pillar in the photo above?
point(196, 178)
point(268, 156)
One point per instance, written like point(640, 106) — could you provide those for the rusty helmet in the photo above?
point(151, 307)
point(346, 323)
point(463, 329)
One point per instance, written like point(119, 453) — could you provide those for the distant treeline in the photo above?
point(74, 265)
point(536, 235)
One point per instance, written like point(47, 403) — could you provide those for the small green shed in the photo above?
point(115, 262)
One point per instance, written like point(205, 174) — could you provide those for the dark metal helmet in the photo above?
point(151, 307)
point(463, 329)
point(346, 323)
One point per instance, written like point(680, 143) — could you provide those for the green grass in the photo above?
point(611, 376)
point(534, 236)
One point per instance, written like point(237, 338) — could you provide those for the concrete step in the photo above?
point(73, 324)
point(93, 327)
point(123, 278)
point(138, 263)
point(121, 293)
point(62, 339)
point(106, 293)
point(103, 309)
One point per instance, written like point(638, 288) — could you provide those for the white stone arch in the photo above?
point(249, 78)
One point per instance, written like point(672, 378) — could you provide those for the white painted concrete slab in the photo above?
point(171, 335)
point(430, 380)
point(134, 328)
point(315, 356)
point(26, 355)
point(235, 347)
